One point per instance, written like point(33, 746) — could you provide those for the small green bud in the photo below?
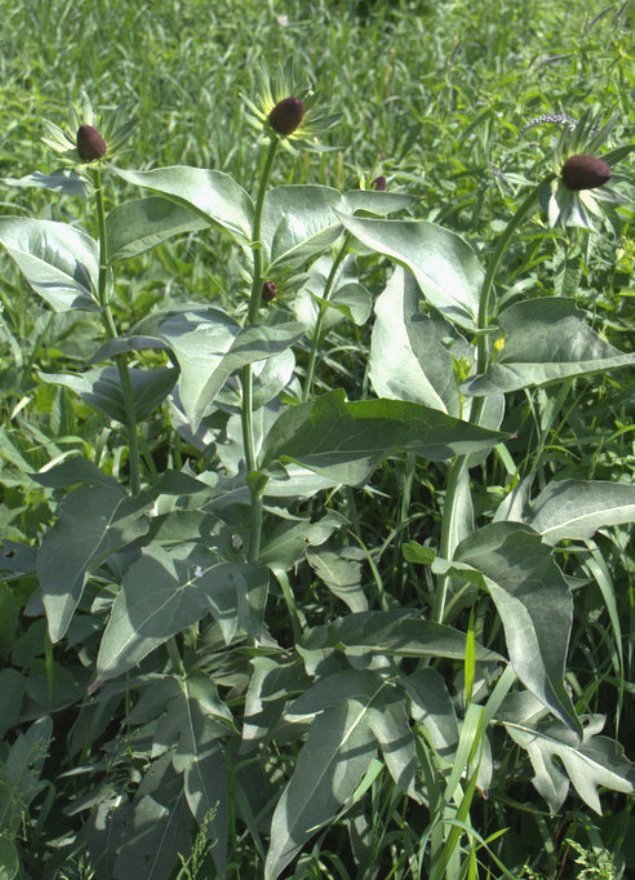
point(90, 144)
point(585, 172)
point(287, 115)
point(269, 291)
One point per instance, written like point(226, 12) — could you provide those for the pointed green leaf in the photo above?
point(213, 194)
point(445, 267)
point(298, 223)
point(59, 262)
point(101, 388)
point(534, 604)
point(329, 767)
point(596, 761)
point(136, 226)
point(346, 441)
point(545, 340)
point(64, 180)
point(376, 202)
point(410, 353)
point(94, 520)
point(210, 346)
point(162, 594)
point(576, 509)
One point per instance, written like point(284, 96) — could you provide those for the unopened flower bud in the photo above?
point(379, 183)
point(269, 291)
point(585, 172)
point(287, 115)
point(90, 144)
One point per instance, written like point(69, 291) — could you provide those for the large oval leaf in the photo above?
point(59, 262)
point(138, 225)
point(545, 340)
point(445, 266)
point(213, 194)
point(346, 441)
point(411, 354)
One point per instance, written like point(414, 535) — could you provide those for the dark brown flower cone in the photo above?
point(90, 144)
point(585, 172)
point(287, 115)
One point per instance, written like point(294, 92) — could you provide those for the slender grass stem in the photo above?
point(317, 333)
point(111, 329)
point(247, 409)
point(455, 471)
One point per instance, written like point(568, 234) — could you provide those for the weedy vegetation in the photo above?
point(317, 447)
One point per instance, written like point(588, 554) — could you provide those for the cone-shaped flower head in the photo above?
point(90, 144)
point(585, 172)
point(269, 291)
point(379, 183)
point(287, 115)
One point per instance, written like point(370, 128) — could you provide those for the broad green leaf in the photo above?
point(411, 353)
point(576, 509)
point(346, 441)
point(200, 758)
point(156, 830)
point(93, 521)
point(534, 604)
point(341, 571)
point(23, 765)
point(101, 388)
point(595, 761)
point(59, 262)
point(298, 223)
point(389, 723)
point(12, 684)
point(431, 706)
point(348, 301)
point(9, 860)
point(136, 226)
point(398, 633)
point(329, 767)
point(376, 202)
point(64, 181)
point(210, 346)
point(273, 681)
point(124, 344)
point(544, 340)
point(186, 584)
point(444, 265)
point(287, 544)
point(215, 195)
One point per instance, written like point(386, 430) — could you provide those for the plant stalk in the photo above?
point(317, 332)
point(459, 463)
point(111, 330)
point(247, 409)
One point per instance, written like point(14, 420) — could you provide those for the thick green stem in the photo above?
point(458, 465)
point(111, 330)
point(328, 290)
point(247, 410)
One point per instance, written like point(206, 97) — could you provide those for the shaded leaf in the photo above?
point(445, 267)
point(346, 441)
point(58, 261)
point(545, 340)
point(101, 388)
point(534, 604)
point(215, 195)
point(136, 226)
point(596, 761)
point(411, 353)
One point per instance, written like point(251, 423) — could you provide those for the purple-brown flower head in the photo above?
point(287, 115)
point(269, 291)
point(379, 183)
point(585, 172)
point(90, 144)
